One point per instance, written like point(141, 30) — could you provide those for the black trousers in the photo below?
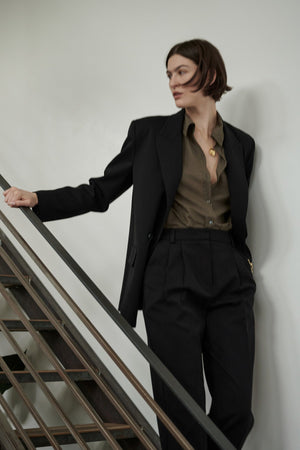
point(198, 310)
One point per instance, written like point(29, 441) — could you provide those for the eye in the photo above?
point(182, 72)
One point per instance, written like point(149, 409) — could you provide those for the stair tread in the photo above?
point(31, 320)
point(24, 376)
point(9, 280)
point(38, 324)
point(83, 428)
point(48, 371)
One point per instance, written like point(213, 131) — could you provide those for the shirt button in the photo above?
point(150, 236)
point(211, 222)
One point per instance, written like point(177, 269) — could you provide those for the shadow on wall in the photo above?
point(260, 111)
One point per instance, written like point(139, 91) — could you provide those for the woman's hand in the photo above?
point(15, 197)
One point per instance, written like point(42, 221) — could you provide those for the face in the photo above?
point(179, 71)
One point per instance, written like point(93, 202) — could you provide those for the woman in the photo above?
point(187, 266)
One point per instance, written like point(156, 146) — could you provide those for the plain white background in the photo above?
point(73, 76)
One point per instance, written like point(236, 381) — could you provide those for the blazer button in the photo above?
point(150, 236)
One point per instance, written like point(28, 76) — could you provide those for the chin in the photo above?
point(180, 104)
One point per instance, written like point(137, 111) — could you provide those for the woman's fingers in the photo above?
point(15, 197)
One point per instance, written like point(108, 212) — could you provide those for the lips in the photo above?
point(176, 95)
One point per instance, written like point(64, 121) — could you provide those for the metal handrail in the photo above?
point(195, 410)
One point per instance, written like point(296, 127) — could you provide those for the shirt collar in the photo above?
point(217, 133)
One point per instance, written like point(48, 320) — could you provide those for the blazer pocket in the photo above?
point(132, 256)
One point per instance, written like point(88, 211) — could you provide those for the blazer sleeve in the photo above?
point(97, 194)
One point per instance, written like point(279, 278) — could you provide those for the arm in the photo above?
point(71, 201)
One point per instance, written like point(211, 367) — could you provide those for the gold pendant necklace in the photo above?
point(212, 152)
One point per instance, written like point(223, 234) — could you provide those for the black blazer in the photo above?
point(151, 161)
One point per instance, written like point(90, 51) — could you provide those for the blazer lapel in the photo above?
point(237, 182)
point(169, 150)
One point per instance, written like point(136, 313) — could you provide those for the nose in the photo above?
point(173, 82)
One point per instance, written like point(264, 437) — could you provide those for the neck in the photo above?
point(204, 116)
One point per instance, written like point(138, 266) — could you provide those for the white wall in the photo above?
point(75, 73)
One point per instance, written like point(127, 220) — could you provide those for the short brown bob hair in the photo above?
point(210, 64)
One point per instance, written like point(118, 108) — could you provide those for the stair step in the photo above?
point(38, 324)
point(89, 432)
point(23, 376)
point(10, 280)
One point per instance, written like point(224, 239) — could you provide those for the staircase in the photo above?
point(110, 415)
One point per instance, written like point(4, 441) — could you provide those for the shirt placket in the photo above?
point(207, 190)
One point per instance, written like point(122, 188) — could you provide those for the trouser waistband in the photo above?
point(196, 234)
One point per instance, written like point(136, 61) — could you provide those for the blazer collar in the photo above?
point(173, 125)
